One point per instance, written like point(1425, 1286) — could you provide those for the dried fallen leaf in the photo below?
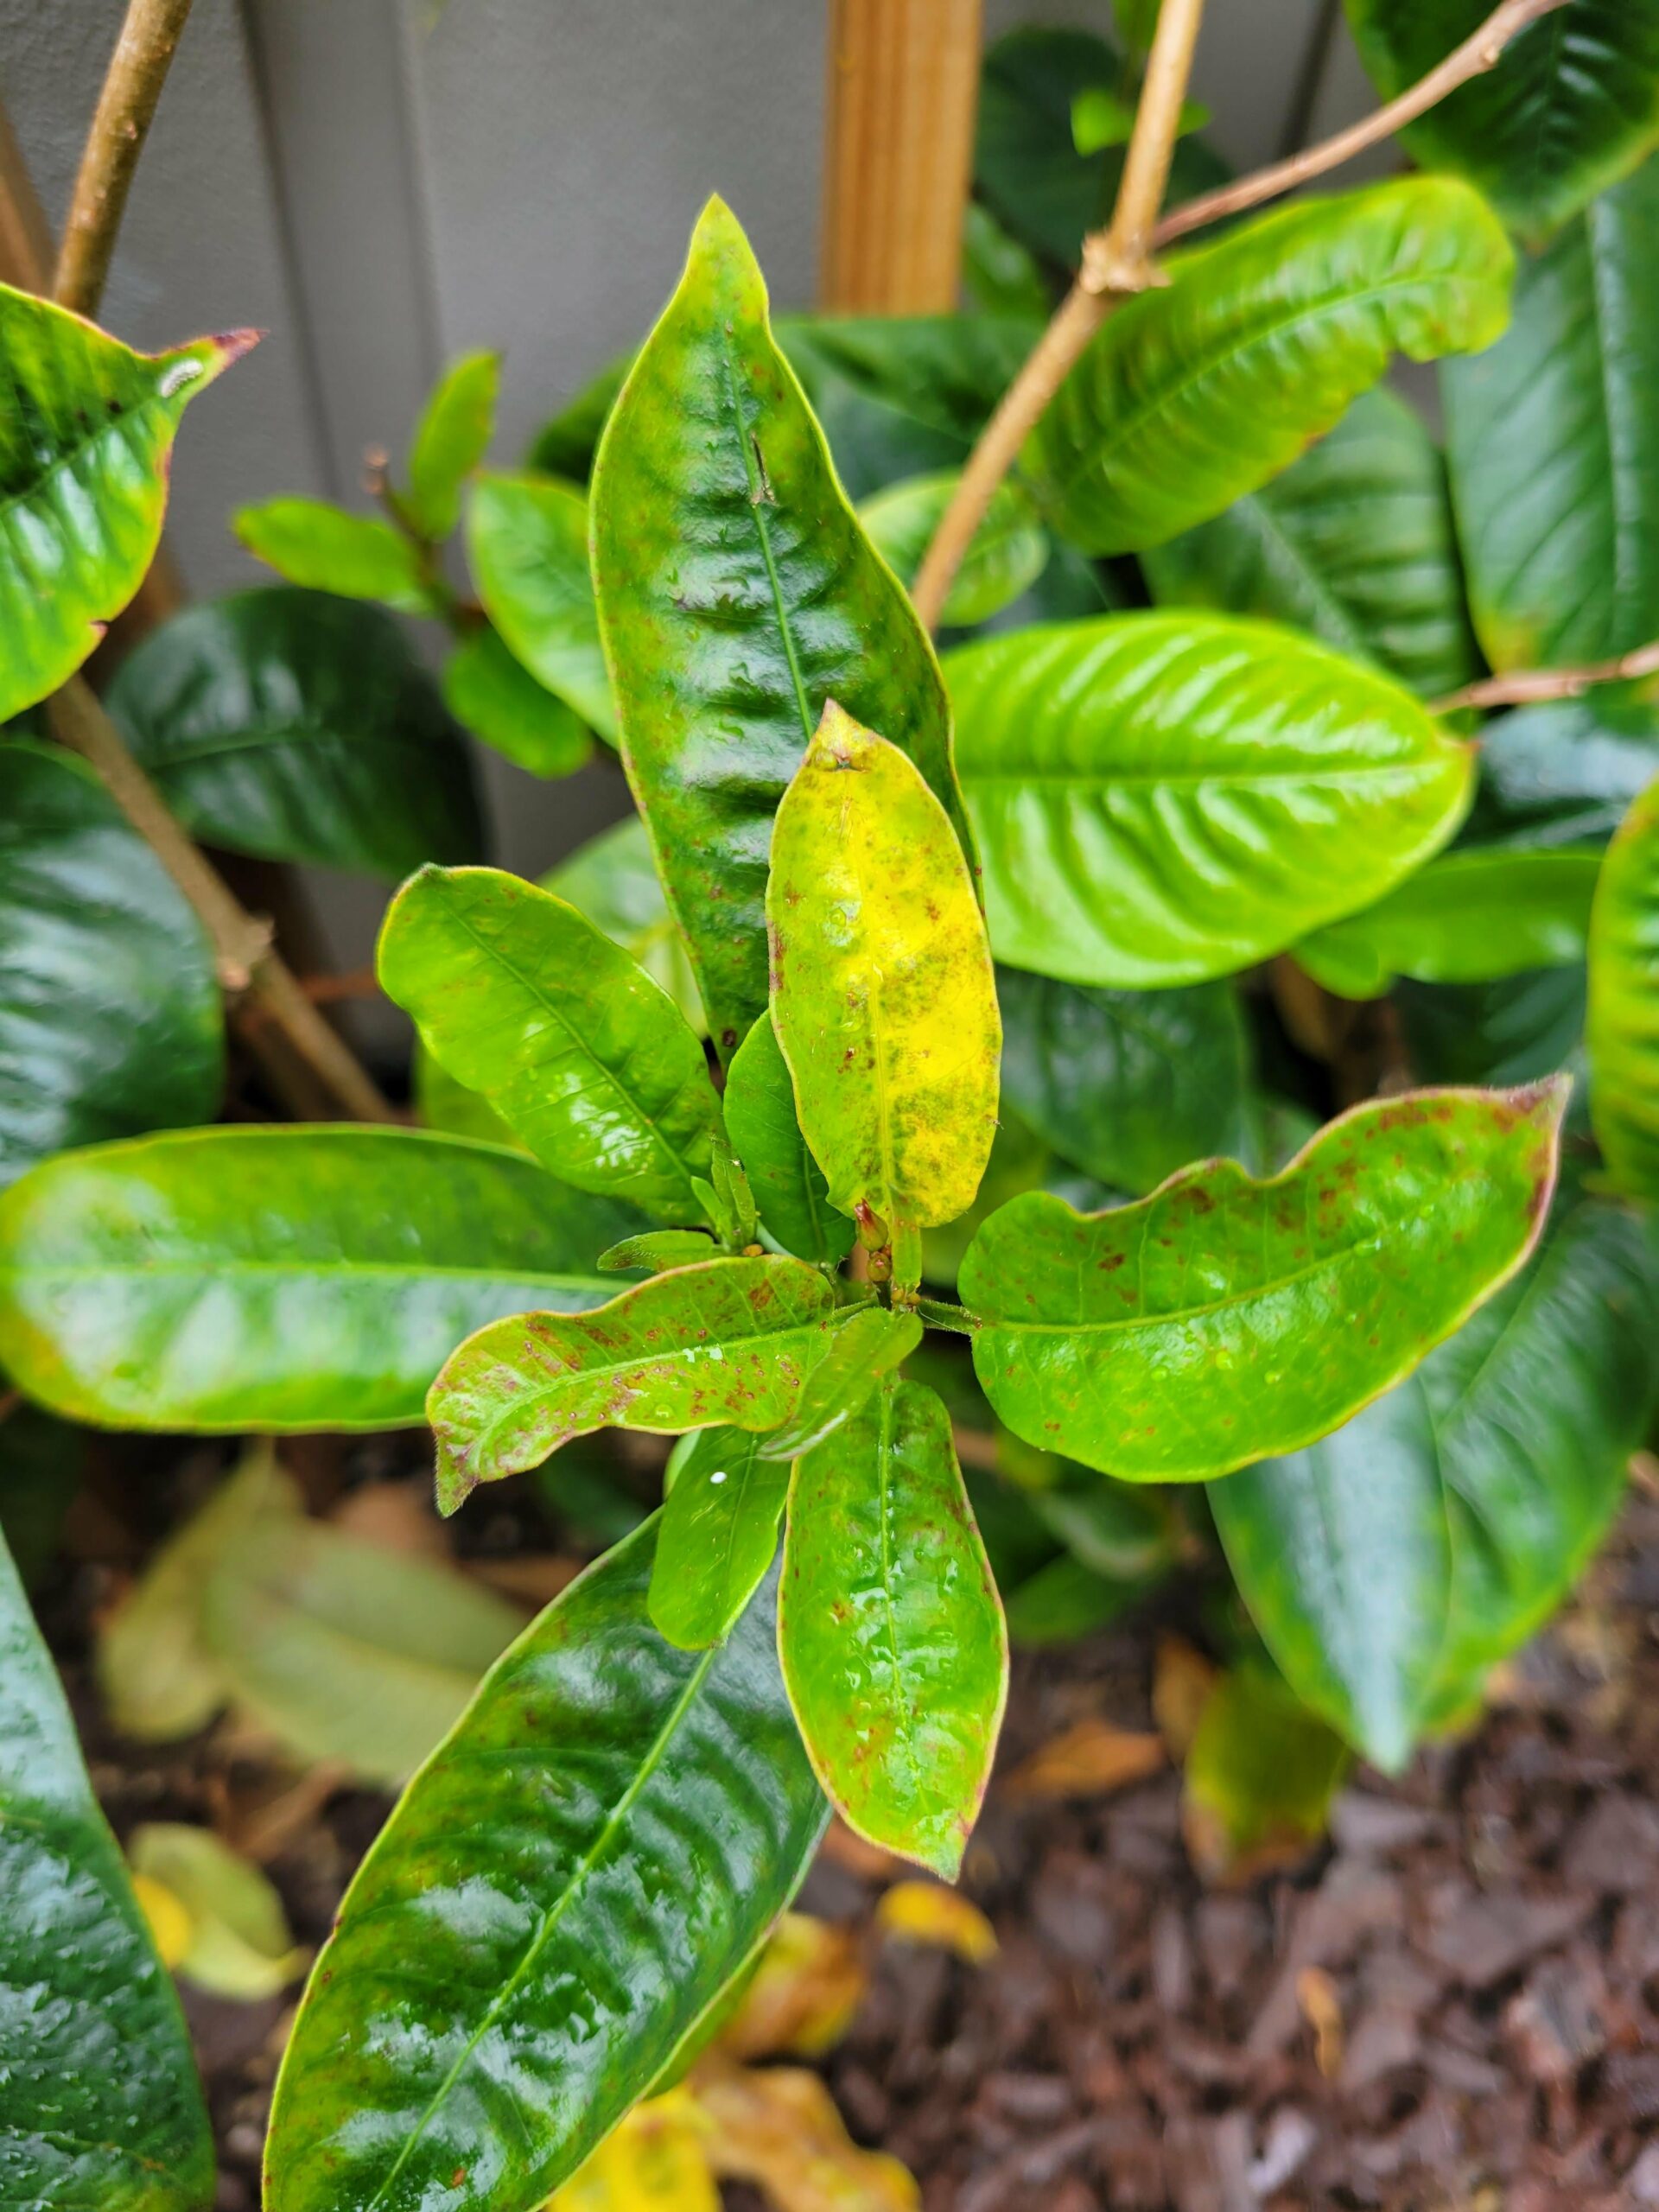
point(1182, 1678)
point(534, 1578)
point(1260, 1773)
point(237, 1941)
point(262, 1822)
point(1321, 2007)
point(778, 2127)
point(853, 1854)
point(926, 1912)
point(655, 2160)
point(1087, 1760)
point(398, 1516)
point(804, 1994)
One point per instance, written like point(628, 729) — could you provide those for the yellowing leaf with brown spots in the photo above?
point(882, 996)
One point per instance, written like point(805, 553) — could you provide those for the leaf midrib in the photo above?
point(114, 431)
point(550, 1920)
point(756, 506)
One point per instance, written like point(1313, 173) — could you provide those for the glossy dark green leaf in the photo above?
point(882, 995)
point(312, 543)
point(1564, 774)
point(498, 700)
point(301, 726)
point(1622, 1026)
point(1354, 542)
point(1000, 275)
point(903, 395)
point(559, 1899)
point(1500, 1034)
point(278, 1279)
point(524, 1001)
point(527, 541)
point(1026, 161)
point(1225, 1318)
point(39, 1473)
point(1553, 440)
point(1469, 917)
point(890, 1630)
point(737, 593)
point(85, 438)
point(1127, 1085)
point(450, 440)
point(1065, 1601)
point(613, 880)
point(788, 1183)
point(1007, 553)
point(731, 1341)
point(1260, 1774)
point(1161, 798)
point(109, 1013)
point(564, 445)
point(99, 2104)
point(1197, 392)
point(717, 1536)
point(1389, 1564)
point(1572, 105)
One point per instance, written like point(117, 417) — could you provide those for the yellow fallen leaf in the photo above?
point(1088, 1760)
point(803, 1999)
point(778, 2127)
point(238, 1943)
point(926, 1912)
point(1182, 1678)
point(1321, 2007)
point(169, 1921)
point(654, 2160)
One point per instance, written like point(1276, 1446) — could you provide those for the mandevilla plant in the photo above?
point(1164, 990)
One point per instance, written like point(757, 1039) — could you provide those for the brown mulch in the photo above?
point(1452, 2007)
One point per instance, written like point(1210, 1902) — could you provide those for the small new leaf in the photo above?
point(657, 1250)
point(450, 440)
point(312, 543)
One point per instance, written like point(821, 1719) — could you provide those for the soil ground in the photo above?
point(1451, 2007)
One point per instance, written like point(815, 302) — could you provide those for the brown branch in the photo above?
point(1115, 265)
point(1528, 686)
point(249, 968)
point(1481, 51)
point(121, 123)
point(1105, 275)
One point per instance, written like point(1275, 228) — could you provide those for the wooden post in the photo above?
point(904, 79)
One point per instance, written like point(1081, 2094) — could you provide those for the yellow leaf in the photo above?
point(237, 1940)
point(170, 1923)
point(804, 1997)
point(778, 2126)
point(653, 2161)
point(882, 990)
point(926, 1912)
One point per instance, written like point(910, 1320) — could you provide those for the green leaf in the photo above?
point(1127, 1085)
point(1008, 551)
point(110, 1012)
point(301, 728)
point(450, 440)
point(788, 1183)
point(657, 1249)
point(902, 395)
point(1225, 1318)
point(500, 700)
point(890, 1631)
point(1026, 161)
point(523, 1000)
point(1553, 441)
point(98, 2099)
point(40, 1476)
point(565, 444)
point(717, 1537)
point(444, 1104)
point(573, 1878)
point(1564, 773)
point(1389, 1566)
point(613, 880)
point(731, 1341)
point(527, 541)
point(1502, 1033)
point(85, 438)
point(1622, 1026)
point(1063, 1601)
point(869, 1344)
point(1161, 798)
point(312, 543)
point(1260, 1777)
point(1469, 917)
point(736, 595)
point(1101, 118)
point(277, 1279)
point(1195, 393)
point(240, 1944)
point(999, 275)
point(883, 999)
point(1353, 543)
point(1570, 108)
